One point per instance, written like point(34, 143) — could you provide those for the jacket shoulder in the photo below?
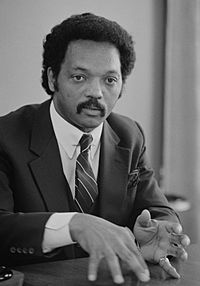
point(19, 122)
point(24, 112)
point(27, 112)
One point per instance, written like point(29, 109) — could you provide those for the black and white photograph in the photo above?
point(99, 142)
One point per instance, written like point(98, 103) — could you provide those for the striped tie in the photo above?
point(86, 189)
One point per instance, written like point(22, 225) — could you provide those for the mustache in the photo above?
point(91, 103)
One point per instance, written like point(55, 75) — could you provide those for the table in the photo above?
point(74, 273)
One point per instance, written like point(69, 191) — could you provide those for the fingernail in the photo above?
point(187, 241)
point(145, 276)
point(118, 279)
point(146, 272)
point(178, 275)
point(91, 277)
point(179, 228)
point(184, 256)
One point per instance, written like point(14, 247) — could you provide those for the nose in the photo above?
point(94, 89)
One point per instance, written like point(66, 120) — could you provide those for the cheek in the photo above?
point(114, 93)
point(109, 107)
point(68, 96)
point(66, 104)
point(111, 101)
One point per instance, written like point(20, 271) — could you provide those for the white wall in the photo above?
point(23, 25)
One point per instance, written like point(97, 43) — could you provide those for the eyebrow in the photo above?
point(77, 68)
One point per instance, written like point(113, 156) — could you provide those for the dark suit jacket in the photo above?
point(33, 186)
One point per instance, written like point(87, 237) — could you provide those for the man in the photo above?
point(74, 179)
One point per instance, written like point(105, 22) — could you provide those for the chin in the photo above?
point(89, 127)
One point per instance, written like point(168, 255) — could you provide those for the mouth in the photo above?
point(92, 108)
point(92, 111)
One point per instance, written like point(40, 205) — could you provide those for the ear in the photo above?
point(51, 79)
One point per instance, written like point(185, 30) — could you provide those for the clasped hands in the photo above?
point(103, 239)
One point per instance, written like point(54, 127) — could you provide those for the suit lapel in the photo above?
point(113, 175)
point(48, 173)
point(47, 168)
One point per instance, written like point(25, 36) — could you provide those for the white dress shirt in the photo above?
point(56, 233)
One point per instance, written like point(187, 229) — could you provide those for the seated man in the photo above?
point(74, 178)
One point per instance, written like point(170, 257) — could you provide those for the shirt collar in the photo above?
point(68, 135)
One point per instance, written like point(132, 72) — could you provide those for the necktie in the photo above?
point(86, 189)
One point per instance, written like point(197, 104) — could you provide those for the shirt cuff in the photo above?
point(56, 232)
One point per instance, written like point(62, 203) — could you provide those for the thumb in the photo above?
point(144, 219)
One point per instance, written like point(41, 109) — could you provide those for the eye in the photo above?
point(78, 78)
point(111, 80)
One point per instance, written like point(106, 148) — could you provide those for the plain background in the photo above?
point(23, 26)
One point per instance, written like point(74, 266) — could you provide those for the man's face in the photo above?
point(89, 83)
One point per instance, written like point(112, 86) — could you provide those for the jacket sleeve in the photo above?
point(21, 234)
point(149, 195)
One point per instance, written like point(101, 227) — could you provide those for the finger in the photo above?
point(179, 239)
point(184, 256)
point(178, 252)
point(144, 219)
point(166, 265)
point(132, 259)
point(134, 249)
point(174, 227)
point(185, 241)
point(93, 267)
point(134, 264)
point(113, 264)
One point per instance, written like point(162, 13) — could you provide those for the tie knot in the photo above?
point(85, 142)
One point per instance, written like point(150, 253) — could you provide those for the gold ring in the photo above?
point(162, 260)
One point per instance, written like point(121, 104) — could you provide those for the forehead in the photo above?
point(92, 55)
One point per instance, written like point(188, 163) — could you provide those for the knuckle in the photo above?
point(111, 256)
point(128, 256)
point(96, 256)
